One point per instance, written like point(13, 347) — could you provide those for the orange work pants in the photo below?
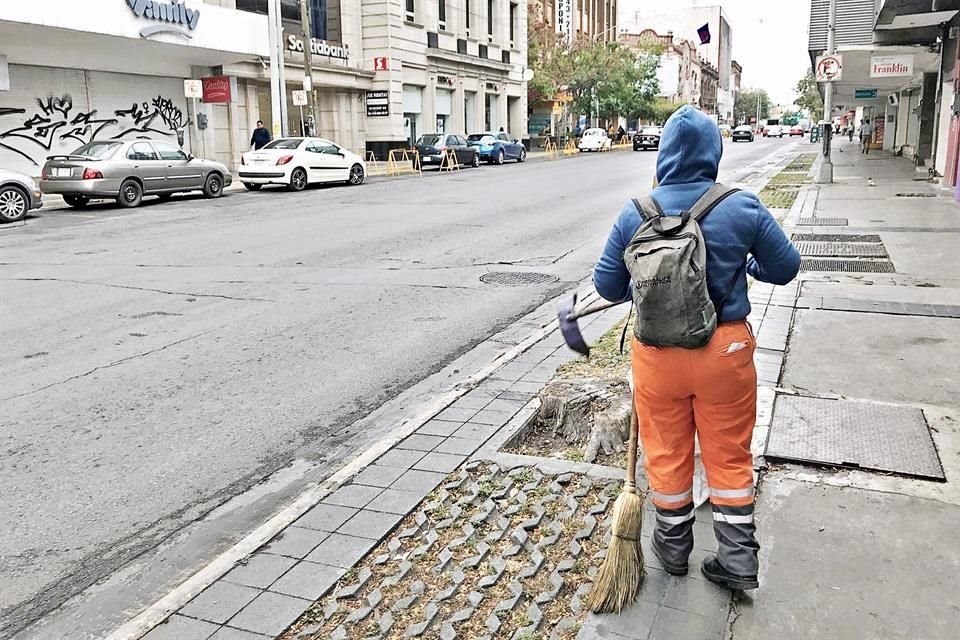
point(710, 391)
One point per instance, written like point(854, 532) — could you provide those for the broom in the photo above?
point(618, 582)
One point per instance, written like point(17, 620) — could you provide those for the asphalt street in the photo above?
point(157, 363)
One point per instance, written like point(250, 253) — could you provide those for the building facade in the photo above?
point(69, 75)
point(444, 66)
point(593, 19)
point(679, 70)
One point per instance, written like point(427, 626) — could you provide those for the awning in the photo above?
point(857, 84)
point(913, 21)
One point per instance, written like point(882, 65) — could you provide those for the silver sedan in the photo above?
point(18, 195)
point(128, 170)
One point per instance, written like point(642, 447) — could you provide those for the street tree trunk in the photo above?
point(590, 413)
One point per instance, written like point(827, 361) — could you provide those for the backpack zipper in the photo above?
point(696, 243)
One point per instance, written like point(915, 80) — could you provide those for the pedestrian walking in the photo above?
point(866, 135)
point(260, 136)
point(701, 381)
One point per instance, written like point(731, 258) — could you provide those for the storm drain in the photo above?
point(835, 237)
point(842, 249)
point(823, 222)
point(858, 435)
point(517, 278)
point(848, 266)
point(916, 195)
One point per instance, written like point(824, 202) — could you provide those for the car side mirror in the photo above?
point(516, 141)
point(190, 157)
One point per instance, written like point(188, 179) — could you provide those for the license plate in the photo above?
point(61, 172)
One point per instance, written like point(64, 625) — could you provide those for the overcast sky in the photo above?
point(769, 40)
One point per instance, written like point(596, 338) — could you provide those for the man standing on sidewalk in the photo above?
point(710, 391)
point(866, 135)
point(260, 136)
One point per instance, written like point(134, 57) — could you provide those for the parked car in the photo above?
point(796, 130)
point(18, 195)
point(128, 170)
point(773, 131)
point(743, 132)
point(299, 162)
point(725, 130)
point(647, 138)
point(433, 146)
point(595, 139)
point(497, 147)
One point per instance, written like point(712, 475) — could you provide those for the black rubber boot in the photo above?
point(715, 573)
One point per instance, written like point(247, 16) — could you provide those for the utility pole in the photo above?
point(825, 172)
point(758, 111)
point(305, 35)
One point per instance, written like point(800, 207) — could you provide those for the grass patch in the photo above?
point(803, 162)
point(605, 357)
point(778, 196)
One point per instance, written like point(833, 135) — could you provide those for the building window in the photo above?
point(411, 14)
point(513, 23)
point(490, 19)
point(442, 14)
point(318, 19)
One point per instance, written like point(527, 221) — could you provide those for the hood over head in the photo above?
point(690, 148)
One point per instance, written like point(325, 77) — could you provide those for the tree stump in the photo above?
point(592, 413)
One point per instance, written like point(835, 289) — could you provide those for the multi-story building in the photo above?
point(593, 19)
point(709, 83)
point(679, 70)
point(445, 65)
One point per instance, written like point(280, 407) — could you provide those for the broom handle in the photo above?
point(630, 484)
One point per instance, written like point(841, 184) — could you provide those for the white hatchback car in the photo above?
point(594, 140)
point(298, 162)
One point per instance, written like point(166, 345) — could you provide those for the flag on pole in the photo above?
point(704, 33)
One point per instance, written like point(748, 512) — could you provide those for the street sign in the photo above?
point(378, 104)
point(299, 97)
point(829, 68)
point(193, 88)
point(307, 83)
point(864, 94)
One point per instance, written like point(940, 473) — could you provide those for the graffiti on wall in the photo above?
point(54, 121)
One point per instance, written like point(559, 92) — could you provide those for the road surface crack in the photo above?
point(149, 289)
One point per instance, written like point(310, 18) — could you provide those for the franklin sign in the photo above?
point(174, 16)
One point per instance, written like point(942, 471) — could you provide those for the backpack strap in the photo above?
point(714, 196)
point(648, 207)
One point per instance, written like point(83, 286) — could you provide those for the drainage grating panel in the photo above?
point(859, 435)
point(834, 237)
point(841, 249)
point(823, 222)
point(517, 278)
point(850, 266)
point(916, 195)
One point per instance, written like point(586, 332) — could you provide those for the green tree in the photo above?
point(610, 79)
point(791, 118)
point(548, 56)
point(658, 111)
point(745, 106)
point(808, 96)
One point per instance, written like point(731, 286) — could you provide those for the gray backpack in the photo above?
point(667, 261)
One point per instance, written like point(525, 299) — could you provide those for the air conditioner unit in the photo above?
point(893, 99)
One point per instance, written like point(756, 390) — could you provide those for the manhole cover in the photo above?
point(862, 435)
point(517, 278)
point(835, 237)
point(916, 195)
point(852, 266)
point(823, 222)
point(852, 249)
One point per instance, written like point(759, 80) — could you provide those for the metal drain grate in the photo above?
point(842, 249)
point(850, 266)
point(834, 237)
point(861, 435)
point(916, 195)
point(823, 222)
point(517, 278)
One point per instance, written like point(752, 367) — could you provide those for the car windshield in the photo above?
point(284, 143)
point(429, 139)
point(100, 149)
point(742, 127)
point(480, 137)
point(593, 132)
point(651, 131)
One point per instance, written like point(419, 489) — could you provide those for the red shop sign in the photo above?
point(216, 89)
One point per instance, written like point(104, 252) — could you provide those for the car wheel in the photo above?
point(13, 204)
point(475, 162)
point(500, 157)
point(250, 186)
point(131, 194)
point(298, 180)
point(523, 155)
point(77, 202)
point(356, 175)
point(213, 187)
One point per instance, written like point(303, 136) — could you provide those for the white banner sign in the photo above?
point(299, 97)
point(564, 20)
point(891, 66)
point(193, 88)
point(829, 68)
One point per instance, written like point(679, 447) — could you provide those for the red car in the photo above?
point(796, 130)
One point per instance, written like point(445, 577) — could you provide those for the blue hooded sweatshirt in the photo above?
point(738, 229)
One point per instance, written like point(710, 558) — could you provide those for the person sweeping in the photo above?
point(683, 253)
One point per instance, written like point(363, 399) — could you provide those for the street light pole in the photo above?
point(305, 36)
point(275, 124)
point(825, 171)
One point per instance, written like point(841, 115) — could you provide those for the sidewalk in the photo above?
point(445, 536)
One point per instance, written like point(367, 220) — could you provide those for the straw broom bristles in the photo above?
point(618, 582)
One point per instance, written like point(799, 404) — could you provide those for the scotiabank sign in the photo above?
point(217, 89)
point(319, 47)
